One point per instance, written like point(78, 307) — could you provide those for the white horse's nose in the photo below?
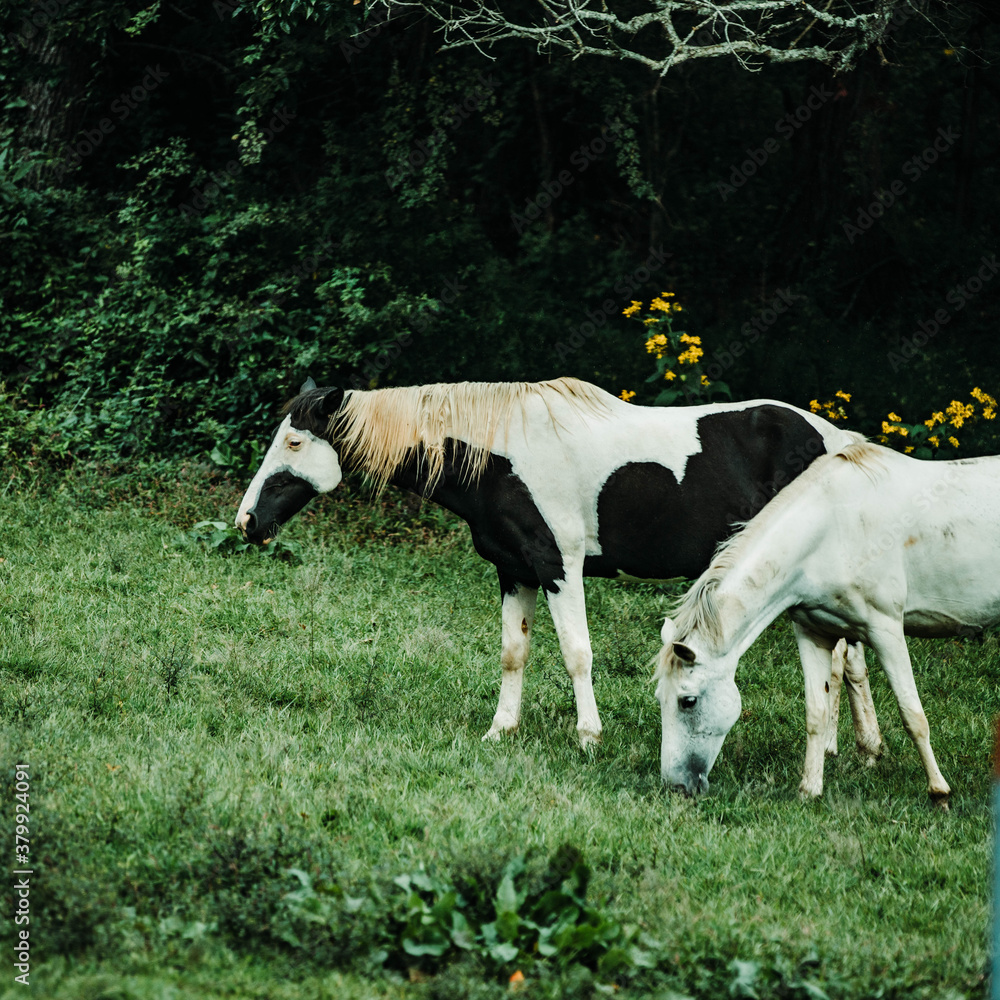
point(242, 520)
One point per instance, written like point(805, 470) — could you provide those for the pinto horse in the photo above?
point(557, 480)
point(867, 544)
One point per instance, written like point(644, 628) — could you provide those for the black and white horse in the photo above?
point(557, 480)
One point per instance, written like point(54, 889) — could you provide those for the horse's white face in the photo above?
point(297, 467)
point(699, 703)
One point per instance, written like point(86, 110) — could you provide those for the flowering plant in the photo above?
point(924, 440)
point(677, 354)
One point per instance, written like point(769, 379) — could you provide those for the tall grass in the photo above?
point(198, 725)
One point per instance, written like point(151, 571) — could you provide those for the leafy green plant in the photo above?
point(436, 922)
point(218, 536)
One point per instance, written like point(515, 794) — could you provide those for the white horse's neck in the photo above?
point(767, 575)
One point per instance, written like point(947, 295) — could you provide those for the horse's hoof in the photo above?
point(497, 733)
point(941, 800)
point(809, 793)
point(589, 741)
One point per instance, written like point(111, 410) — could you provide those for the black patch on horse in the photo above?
point(507, 527)
point(281, 497)
point(650, 526)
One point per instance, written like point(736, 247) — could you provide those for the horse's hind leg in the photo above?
point(859, 695)
point(517, 617)
point(889, 644)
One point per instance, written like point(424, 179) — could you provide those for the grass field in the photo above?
point(256, 777)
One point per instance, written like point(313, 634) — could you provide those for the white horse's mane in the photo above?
point(378, 430)
point(698, 609)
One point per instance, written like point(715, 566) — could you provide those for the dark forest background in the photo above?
point(201, 203)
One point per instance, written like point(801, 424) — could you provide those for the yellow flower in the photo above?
point(845, 396)
point(953, 442)
point(887, 428)
point(657, 344)
point(704, 381)
point(650, 320)
point(632, 309)
point(984, 397)
point(814, 406)
point(908, 449)
point(902, 431)
point(893, 417)
point(659, 305)
point(690, 356)
point(667, 295)
point(959, 412)
point(669, 375)
point(934, 440)
point(627, 395)
point(989, 413)
point(686, 338)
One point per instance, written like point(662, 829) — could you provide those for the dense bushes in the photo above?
point(289, 190)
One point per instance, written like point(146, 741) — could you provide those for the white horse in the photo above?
point(868, 544)
point(557, 480)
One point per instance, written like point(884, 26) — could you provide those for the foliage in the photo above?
point(204, 203)
point(504, 925)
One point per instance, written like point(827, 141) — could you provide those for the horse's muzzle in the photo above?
point(250, 529)
point(691, 782)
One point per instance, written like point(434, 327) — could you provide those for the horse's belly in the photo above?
point(933, 623)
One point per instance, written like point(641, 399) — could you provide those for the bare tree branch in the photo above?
point(671, 32)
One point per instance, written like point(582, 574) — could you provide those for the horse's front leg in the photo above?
point(569, 615)
point(838, 660)
point(816, 654)
point(517, 618)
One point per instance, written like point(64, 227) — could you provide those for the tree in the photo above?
point(671, 32)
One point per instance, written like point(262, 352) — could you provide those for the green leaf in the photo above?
point(417, 948)
point(507, 899)
point(505, 952)
point(745, 979)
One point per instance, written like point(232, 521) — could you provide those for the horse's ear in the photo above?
point(309, 383)
point(331, 401)
point(685, 653)
point(667, 632)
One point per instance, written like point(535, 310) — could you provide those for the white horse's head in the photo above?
point(699, 703)
point(300, 464)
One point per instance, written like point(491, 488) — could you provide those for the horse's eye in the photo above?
point(687, 702)
point(295, 444)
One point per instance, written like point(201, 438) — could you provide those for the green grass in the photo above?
point(198, 724)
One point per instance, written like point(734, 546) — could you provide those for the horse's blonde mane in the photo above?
point(865, 455)
point(378, 430)
point(698, 609)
